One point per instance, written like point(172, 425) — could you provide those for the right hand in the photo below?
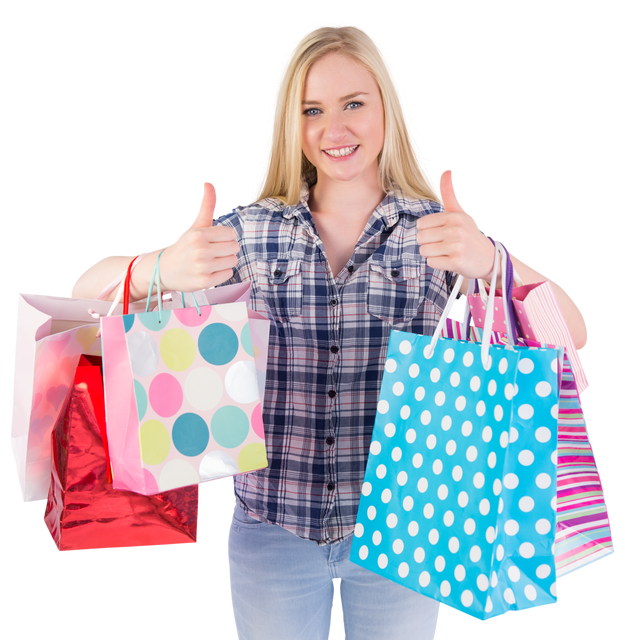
point(204, 255)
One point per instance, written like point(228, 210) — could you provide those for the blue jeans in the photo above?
point(282, 589)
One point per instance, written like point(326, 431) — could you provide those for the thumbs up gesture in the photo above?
point(451, 240)
point(204, 255)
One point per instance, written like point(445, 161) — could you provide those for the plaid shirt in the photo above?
point(327, 350)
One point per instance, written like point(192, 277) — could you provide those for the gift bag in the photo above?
point(459, 497)
point(182, 399)
point(83, 509)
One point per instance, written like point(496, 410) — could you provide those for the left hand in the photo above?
point(451, 240)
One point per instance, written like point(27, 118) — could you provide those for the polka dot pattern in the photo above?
point(196, 393)
point(476, 474)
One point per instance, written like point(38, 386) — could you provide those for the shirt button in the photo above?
point(277, 273)
point(334, 302)
point(329, 440)
point(394, 273)
point(332, 393)
point(334, 349)
point(351, 268)
point(330, 486)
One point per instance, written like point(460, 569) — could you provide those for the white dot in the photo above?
point(386, 496)
point(482, 582)
point(490, 535)
point(430, 443)
point(466, 598)
point(454, 379)
point(428, 510)
point(527, 550)
point(398, 546)
point(382, 561)
point(526, 365)
point(503, 366)
point(453, 544)
point(448, 518)
point(497, 486)
point(366, 488)
point(499, 553)
point(413, 372)
point(439, 563)
point(371, 513)
point(460, 573)
point(461, 403)
point(419, 555)
point(383, 406)
point(469, 526)
point(405, 412)
point(543, 526)
point(554, 365)
point(543, 480)
point(526, 457)
point(380, 471)
point(554, 457)
point(377, 538)
point(424, 578)
point(391, 365)
point(543, 389)
point(437, 467)
point(503, 439)
point(553, 589)
point(398, 388)
point(487, 434)
point(494, 580)
point(509, 391)
point(435, 374)
point(419, 394)
point(478, 480)
point(511, 527)
point(457, 473)
point(526, 504)
point(471, 453)
point(526, 411)
point(375, 448)
point(433, 536)
point(450, 447)
point(443, 492)
point(514, 434)
point(543, 571)
point(489, 363)
point(467, 427)
point(475, 383)
point(498, 413)
point(500, 505)
point(514, 574)
point(480, 408)
point(508, 596)
point(403, 570)
point(492, 388)
point(492, 459)
point(396, 454)
point(411, 436)
point(417, 460)
point(413, 528)
point(489, 605)
point(389, 430)
point(475, 554)
point(359, 530)
point(530, 592)
point(446, 423)
point(542, 434)
point(408, 503)
point(402, 478)
point(405, 347)
point(445, 588)
point(484, 506)
point(439, 399)
point(467, 359)
point(555, 412)
point(363, 552)
point(391, 521)
point(463, 499)
point(511, 481)
point(449, 355)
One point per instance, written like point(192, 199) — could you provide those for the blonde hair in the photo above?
point(398, 169)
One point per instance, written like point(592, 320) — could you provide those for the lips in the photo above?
point(342, 152)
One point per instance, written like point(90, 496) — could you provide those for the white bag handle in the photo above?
point(490, 311)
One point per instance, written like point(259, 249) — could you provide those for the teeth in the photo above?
point(337, 153)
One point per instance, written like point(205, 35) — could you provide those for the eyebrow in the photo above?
point(347, 97)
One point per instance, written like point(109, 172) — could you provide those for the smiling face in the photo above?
point(342, 120)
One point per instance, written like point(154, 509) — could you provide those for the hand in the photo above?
point(204, 255)
point(451, 240)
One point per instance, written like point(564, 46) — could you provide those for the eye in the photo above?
point(308, 112)
point(353, 105)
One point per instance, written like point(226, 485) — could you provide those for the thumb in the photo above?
point(447, 193)
point(205, 216)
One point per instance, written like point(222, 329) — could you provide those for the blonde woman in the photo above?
point(346, 242)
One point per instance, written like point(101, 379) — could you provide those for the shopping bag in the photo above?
point(83, 509)
point(52, 334)
point(459, 496)
point(537, 316)
point(182, 399)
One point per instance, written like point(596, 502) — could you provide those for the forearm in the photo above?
point(101, 274)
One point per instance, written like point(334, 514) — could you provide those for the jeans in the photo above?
point(282, 589)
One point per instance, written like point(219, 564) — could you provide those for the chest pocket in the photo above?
point(280, 283)
point(393, 293)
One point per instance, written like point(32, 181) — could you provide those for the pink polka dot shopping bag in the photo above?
point(459, 496)
point(182, 395)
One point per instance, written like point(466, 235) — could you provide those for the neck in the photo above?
point(345, 199)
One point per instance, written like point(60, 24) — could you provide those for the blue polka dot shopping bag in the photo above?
point(182, 396)
point(459, 496)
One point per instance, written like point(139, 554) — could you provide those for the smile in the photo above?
point(339, 153)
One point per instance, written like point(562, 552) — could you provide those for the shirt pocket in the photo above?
point(280, 283)
point(394, 293)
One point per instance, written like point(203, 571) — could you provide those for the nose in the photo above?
point(336, 128)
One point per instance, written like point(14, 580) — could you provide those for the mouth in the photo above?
point(341, 153)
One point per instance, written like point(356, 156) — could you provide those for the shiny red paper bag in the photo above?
point(83, 510)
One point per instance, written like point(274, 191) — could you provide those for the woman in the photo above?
point(346, 242)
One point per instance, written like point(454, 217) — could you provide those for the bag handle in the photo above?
point(488, 322)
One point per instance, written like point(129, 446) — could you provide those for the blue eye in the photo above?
point(349, 104)
point(307, 112)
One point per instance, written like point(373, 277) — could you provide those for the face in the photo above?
point(342, 120)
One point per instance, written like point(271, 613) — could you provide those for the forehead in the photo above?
point(336, 75)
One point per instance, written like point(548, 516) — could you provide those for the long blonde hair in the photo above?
point(398, 168)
